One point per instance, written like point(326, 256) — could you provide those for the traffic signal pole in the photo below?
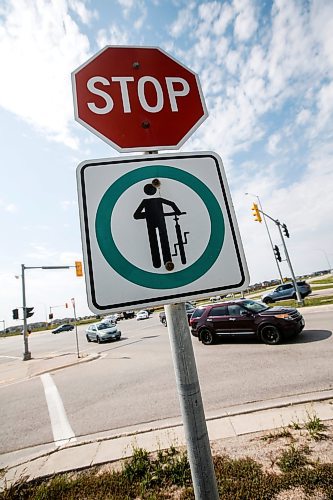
point(26, 353)
point(298, 295)
point(271, 242)
point(278, 223)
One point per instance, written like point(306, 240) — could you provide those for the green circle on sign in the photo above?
point(133, 273)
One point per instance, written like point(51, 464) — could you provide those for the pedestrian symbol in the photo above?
point(152, 210)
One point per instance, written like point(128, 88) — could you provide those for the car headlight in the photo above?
point(283, 316)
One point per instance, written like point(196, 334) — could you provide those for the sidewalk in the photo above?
point(46, 460)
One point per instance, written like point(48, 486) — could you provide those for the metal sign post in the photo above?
point(198, 446)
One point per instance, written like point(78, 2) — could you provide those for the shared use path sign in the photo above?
point(158, 229)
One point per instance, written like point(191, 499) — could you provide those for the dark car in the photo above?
point(247, 317)
point(287, 291)
point(63, 328)
point(189, 306)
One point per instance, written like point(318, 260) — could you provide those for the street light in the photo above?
point(269, 235)
point(326, 256)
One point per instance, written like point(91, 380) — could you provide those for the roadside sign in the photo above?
point(138, 98)
point(158, 229)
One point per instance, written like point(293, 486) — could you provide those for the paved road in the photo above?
point(133, 381)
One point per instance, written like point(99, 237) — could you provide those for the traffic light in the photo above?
point(78, 268)
point(29, 312)
point(256, 213)
point(15, 314)
point(51, 316)
point(277, 253)
point(285, 230)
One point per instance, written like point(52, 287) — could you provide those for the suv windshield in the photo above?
point(253, 306)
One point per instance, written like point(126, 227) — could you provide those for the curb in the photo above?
point(73, 363)
point(252, 408)
point(86, 359)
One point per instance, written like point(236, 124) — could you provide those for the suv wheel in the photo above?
point(270, 335)
point(207, 337)
point(88, 338)
point(268, 300)
point(98, 340)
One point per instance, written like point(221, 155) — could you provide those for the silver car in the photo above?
point(286, 292)
point(102, 331)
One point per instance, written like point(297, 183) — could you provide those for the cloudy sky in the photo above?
point(266, 70)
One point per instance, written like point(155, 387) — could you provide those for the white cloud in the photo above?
point(114, 35)
point(223, 19)
point(303, 117)
point(85, 15)
point(246, 22)
point(40, 45)
point(8, 207)
point(322, 27)
point(273, 144)
point(185, 20)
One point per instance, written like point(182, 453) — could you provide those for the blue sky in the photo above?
point(266, 71)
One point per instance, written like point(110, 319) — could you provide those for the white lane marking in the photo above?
point(61, 429)
point(11, 357)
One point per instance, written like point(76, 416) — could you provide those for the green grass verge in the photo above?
point(167, 476)
point(325, 281)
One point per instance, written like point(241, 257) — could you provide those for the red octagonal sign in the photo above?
point(138, 98)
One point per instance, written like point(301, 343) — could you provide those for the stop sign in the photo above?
point(138, 98)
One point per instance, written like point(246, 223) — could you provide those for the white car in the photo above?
point(142, 315)
point(102, 331)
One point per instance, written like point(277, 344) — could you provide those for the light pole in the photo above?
point(27, 353)
point(269, 234)
point(328, 262)
point(77, 340)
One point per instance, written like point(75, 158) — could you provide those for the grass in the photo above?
point(326, 281)
point(315, 427)
point(293, 458)
point(277, 434)
point(308, 301)
point(166, 475)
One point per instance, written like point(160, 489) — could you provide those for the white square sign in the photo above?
point(158, 229)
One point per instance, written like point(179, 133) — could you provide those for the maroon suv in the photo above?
point(245, 316)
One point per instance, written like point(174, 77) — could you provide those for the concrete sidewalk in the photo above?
point(45, 460)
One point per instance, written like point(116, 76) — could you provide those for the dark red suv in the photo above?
point(245, 316)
